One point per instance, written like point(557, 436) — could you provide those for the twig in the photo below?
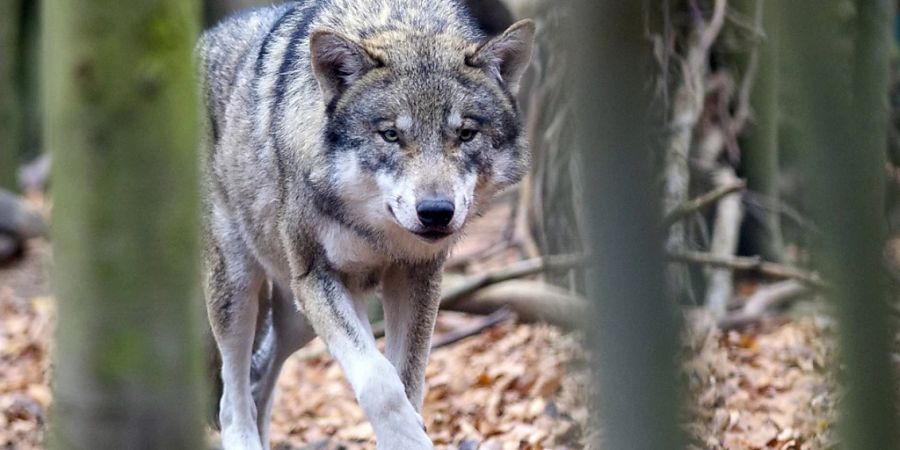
point(703, 201)
point(763, 300)
point(777, 206)
point(751, 264)
point(517, 270)
point(461, 262)
point(496, 318)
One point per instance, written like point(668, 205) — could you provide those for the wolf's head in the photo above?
point(422, 129)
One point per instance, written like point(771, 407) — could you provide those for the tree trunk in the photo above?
point(759, 147)
point(632, 328)
point(122, 119)
point(843, 97)
point(10, 109)
point(551, 193)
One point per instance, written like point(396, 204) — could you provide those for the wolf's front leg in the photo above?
point(411, 296)
point(232, 283)
point(328, 306)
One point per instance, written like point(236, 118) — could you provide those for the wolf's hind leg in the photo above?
point(288, 331)
point(232, 283)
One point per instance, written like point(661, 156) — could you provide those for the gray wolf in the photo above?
point(349, 143)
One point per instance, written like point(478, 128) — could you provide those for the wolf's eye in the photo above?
point(390, 135)
point(467, 134)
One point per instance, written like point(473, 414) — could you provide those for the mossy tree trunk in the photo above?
point(843, 97)
point(10, 109)
point(122, 119)
point(632, 327)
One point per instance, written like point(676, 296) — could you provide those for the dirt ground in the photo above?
point(513, 386)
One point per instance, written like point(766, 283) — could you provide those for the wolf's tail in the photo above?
point(264, 331)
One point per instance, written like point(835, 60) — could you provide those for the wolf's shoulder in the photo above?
point(240, 30)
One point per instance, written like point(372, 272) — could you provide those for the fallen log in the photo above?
point(531, 301)
point(17, 221)
point(17, 224)
point(462, 287)
point(763, 301)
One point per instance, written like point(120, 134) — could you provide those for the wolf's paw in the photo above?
point(240, 440)
point(406, 440)
point(405, 431)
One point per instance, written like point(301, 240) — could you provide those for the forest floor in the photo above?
point(514, 386)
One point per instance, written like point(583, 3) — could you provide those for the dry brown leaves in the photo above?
point(504, 389)
point(769, 388)
point(511, 387)
point(26, 325)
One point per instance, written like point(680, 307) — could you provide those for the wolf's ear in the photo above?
point(507, 56)
point(337, 62)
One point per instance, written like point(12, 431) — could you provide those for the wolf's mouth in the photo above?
point(433, 235)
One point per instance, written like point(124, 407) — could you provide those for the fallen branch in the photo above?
point(764, 300)
point(751, 264)
point(703, 201)
point(531, 301)
point(496, 318)
point(452, 294)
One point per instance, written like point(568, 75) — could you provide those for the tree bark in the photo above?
point(726, 232)
point(759, 146)
point(10, 109)
point(843, 96)
point(122, 119)
point(633, 330)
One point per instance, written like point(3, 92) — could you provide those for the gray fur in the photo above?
point(305, 187)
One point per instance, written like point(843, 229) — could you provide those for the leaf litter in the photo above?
point(514, 386)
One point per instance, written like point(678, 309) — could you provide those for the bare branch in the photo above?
point(751, 264)
point(703, 201)
point(764, 300)
point(496, 318)
point(520, 269)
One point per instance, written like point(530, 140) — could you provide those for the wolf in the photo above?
point(349, 143)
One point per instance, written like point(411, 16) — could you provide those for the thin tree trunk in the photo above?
point(632, 328)
point(687, 107)
point(122, 118)
point(760, 143)
point(551, 193)
point(726, 231)
point(843, 98)
point(10, 110)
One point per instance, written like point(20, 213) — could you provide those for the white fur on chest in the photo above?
point(348, 252)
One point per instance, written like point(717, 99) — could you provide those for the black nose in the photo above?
point(435, 212)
